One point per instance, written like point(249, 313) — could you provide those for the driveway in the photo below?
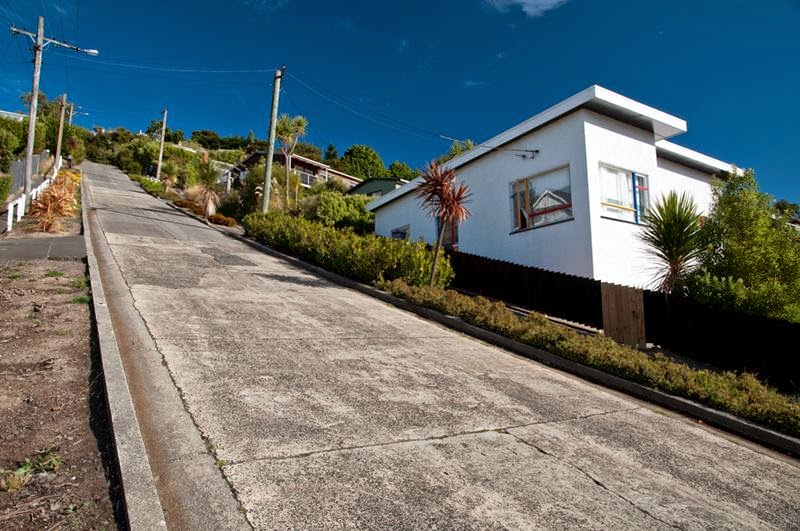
point(325, 408)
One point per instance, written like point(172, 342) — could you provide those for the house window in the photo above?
point(402, 233)
point(450, 234)
point(625, 194)
point(542, 199)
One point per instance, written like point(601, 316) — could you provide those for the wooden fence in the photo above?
point(725, 340)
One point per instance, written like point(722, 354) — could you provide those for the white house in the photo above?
point(565, 190)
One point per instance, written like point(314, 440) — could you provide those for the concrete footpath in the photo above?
point(43, 248)
point(271, 398)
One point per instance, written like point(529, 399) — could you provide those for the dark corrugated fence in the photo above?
point(569, 297)
point(726, 340)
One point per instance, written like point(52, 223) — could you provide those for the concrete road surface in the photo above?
point(265, 391)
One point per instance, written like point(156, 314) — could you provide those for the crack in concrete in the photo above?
point(591, 477)
point(501, 429)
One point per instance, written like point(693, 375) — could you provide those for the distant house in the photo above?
point(565, 190)
point(17, 117)
point(376, 186)
point(310, 171)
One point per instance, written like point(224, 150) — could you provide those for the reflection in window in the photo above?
point(402, 233)
point(542, 199)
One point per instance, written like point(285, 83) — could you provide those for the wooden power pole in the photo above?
point(161, 147)
point(61, 128)
point(273, 118)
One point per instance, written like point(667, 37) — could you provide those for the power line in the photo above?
point(181, 69)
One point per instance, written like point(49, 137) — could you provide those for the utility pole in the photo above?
point(39, 43)
point(276, 89)
point(61, 129)
point(161, 147)
point(71, 112)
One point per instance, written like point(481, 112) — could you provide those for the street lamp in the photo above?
point(39, 44)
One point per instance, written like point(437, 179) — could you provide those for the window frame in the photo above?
point(404, 228)
point(632, 179)
point(517, 190)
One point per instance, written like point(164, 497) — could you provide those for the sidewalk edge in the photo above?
point(142, 505)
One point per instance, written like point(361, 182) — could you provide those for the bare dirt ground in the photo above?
point(55, 444)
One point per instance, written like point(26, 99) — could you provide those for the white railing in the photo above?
point(20, 204)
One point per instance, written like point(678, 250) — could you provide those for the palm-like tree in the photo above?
point(207, 196)
point(169, 174)
point(288, 130)
point(671, 233)
point(444, 201)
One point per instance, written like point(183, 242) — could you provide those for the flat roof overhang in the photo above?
point(595, 98)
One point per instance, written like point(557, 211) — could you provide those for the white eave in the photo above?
point(594, 98)
point(691, 158)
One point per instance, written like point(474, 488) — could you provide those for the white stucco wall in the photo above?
point(588, 245)
point(406, 211)
point(561, 247)
point(618, 253)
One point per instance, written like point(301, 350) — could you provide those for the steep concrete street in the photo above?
point(325, 408)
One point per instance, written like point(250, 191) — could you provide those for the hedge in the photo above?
point(5, 188)
point(367, 258)
point(741, 394)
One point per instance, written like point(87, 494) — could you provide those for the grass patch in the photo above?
point(47, 460)
point(80, 282)
point(740, 394)
point(83, 299)
point(15, 275)
point(54, 274)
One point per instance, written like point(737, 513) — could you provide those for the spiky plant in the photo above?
point(288, 130)
point(671, 233)
point(169, 175)
point(207, 196)
point(444, 201)
point(54, 204)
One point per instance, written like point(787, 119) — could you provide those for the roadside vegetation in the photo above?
point(365, 258)
point(744, 256)
point(57, 202)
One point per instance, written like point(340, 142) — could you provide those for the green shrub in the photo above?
point(149, 185)
point(221, 219)
point(741, 394)
point(334, 209)
point(5, 188)
point(366, 258)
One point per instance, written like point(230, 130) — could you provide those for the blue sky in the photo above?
point(395, 75)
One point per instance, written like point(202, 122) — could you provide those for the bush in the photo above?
point(220, 219)
point(5, 188)
point(366, 258)
point(740, 394)
point(55, 203)
point(154, 188)
point(190, 205)
point(334, 209)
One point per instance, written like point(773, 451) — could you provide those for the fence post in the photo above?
point(623, 314)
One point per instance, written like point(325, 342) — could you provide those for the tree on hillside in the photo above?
point(457, 148)
point(288, 131)
point(207, 139)
point(671, 232)
point(331, 155)
point(363, 162)
point(309, 151)
point(785, 207)
point(401, 171)
point(444, 201)
point(8, 144)
point(750, 255)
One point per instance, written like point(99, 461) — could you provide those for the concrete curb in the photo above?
point(142, 504)
point(728, 422)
